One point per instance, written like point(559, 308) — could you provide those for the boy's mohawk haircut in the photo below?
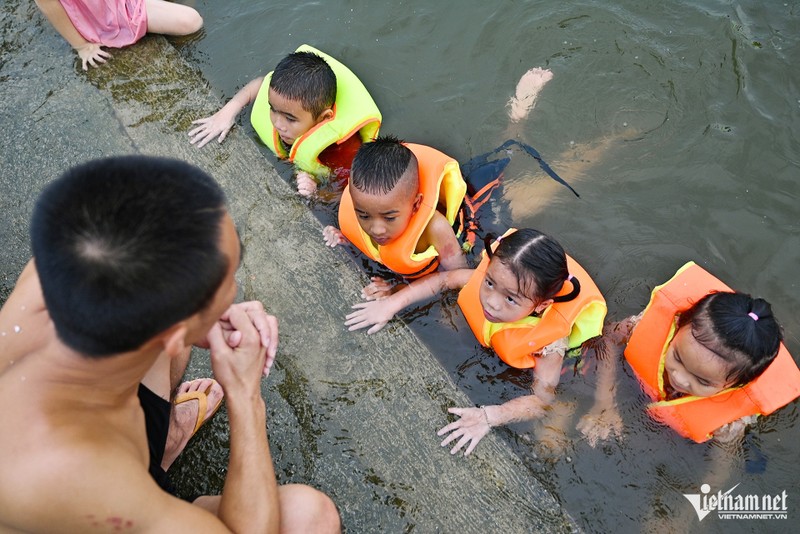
point(307, 78)
point(379, 165)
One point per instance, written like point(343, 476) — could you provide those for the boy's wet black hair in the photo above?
point(739, 329)
point(379, 166)
point(125, 248)
point(538, 262)
point(307, 78)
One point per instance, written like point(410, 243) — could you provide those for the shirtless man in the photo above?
point(135, 258)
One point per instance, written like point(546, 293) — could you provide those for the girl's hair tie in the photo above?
point(753, 316)
point(569, 278)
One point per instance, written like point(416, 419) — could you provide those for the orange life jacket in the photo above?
point(516, 343)
point(698, 417)
point(442, 188)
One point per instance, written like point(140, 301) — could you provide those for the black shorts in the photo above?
point(156, 418)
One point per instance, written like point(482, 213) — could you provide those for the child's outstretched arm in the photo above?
point(376, 313)
point(603, 420)
point(474, 423)
point(439, 233)
point(220, 123)
point(90, 53)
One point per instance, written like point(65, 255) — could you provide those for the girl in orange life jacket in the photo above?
point(723, 344)
point(525, 276)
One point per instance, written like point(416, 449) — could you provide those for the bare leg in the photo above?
point(157, 378)
point(165, 375)
point(168, 18)
point(573, 164)
point(303, 509)
point(528, 197)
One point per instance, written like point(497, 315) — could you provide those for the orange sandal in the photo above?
point(202, 404)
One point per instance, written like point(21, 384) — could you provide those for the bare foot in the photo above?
point(185, 419)
point(528, 88)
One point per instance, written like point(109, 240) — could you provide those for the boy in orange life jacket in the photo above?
point(311, 110)
point(390, 210)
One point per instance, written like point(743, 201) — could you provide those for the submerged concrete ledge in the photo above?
point(351, 414)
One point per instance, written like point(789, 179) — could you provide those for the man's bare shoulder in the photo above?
point(25, 325)
point(85, 487)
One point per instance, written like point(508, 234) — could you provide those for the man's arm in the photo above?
point(440, 234)
point(220, 123)
point(250, 495)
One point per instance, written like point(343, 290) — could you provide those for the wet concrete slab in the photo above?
point(351, 414)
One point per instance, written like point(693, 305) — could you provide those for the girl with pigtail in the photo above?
point(528, 301)
point(710, 359)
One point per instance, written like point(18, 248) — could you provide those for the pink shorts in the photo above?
point(114, 23)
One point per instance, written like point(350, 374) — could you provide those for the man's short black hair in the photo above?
point(126, 247)
point(379, 165)
point(306, 77)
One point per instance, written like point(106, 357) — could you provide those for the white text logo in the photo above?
point(730, 506)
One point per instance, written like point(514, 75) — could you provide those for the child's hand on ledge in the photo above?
point(377, 289)
point(374, 314)
point(306, 185)
point(92, 54)
point(333, 236)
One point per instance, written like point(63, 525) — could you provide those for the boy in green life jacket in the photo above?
point(311, 110)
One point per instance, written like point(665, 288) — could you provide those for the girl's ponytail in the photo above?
point(572, 295)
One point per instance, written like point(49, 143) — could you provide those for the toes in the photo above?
point(199, 384)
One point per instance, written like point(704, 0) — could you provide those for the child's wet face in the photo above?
point(289, 118)
point(385, 216)
point(692, 369)
point(500, 295)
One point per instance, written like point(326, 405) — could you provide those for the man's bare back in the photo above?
point(74, 452)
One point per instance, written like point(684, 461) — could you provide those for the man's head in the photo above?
point(302, 93)
point(127, 247)
point(384, 186)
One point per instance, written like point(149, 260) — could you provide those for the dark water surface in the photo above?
point(677, 122)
